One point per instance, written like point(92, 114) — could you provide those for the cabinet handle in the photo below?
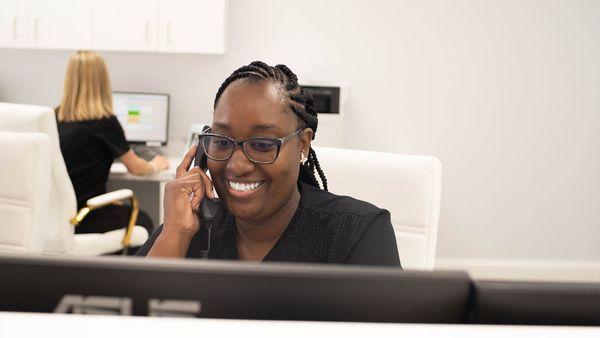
point(168, 32)
point(35, 28)
point(15, 21)
point(147, 31)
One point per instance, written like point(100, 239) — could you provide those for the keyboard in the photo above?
point(146, 152)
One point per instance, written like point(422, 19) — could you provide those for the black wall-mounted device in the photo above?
point(326, 99)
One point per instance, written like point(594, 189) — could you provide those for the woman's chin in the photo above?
point(246, 211)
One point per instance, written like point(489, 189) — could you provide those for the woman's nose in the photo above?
point(238, 164)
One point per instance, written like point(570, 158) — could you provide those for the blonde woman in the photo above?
point(91, 138)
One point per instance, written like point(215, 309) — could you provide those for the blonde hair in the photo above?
point(87, 93)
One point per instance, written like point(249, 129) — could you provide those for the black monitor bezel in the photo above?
point(78, 275)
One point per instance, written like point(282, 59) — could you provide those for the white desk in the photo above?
point(15, 324)
point(119, 171)
point(148, 189)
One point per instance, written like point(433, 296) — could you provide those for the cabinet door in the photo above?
point(192, 26)
point(128, 25)
point(13, 23)
point(60, 24)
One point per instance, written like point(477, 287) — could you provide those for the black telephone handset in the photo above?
point(209, 210)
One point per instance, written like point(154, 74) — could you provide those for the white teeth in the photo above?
point(236, 186)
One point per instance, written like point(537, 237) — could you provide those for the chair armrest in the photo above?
point(101, 201)
point(108, 198)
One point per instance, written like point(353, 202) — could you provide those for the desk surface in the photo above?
point(118, 171)
point(14, 324)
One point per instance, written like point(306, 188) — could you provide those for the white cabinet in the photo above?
point(13, 23)
point(50, 24)
point(174, 26)
point(192, 26)
point(127, 25)
point(60, 24)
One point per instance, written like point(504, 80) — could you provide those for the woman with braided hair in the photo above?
point(264, 170)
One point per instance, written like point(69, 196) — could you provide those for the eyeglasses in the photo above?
point(263, 150)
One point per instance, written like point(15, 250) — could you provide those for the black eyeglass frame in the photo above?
point(278, 142)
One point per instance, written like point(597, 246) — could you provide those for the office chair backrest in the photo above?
point(24, 190)
point(406, 185)
point(62, 202)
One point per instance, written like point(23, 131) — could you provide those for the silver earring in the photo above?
point(302, 158)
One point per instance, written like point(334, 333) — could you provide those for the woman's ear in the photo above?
point(306, 137)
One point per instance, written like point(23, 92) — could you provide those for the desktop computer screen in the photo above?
point(231, 289)
point(144, 116)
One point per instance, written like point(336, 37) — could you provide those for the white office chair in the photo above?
point(38, 208)
point(406, 185)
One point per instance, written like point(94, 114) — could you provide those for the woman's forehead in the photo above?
point(252, 93)
point(255, 104)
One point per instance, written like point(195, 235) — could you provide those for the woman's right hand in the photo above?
point(184, 194)
point(160, 162)
point(181, 201)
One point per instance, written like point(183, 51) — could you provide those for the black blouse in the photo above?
point(89, 148)
point(326, 228)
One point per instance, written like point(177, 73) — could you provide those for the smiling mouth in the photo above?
point(244, 187)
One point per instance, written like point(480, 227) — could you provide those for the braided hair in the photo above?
point(300, 102)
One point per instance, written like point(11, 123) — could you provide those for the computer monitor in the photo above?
point(535, 303)
point(144, 116)
point(231, 289)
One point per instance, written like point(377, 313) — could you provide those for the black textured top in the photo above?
point(326, 228)
point(89, 148)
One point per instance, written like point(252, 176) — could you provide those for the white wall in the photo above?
point(505, 92)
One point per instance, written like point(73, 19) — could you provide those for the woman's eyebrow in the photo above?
point(221, 125)
point(262, 127)
point(256, 127)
